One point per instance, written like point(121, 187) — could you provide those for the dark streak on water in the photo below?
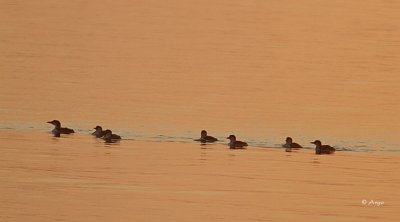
point(189, 136)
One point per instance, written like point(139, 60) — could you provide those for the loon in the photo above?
point(58, 129)
point(323, 149)
point(206, 139)
point(109, 137)
point(234, 144)
point(99, 132)
point(289, 144)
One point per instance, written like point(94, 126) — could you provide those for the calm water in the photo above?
point(262, 70)
point(158, 72)
point(79, 178)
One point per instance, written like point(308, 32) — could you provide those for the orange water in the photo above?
point(160, 71)
point(79, 178)
point(263, 69)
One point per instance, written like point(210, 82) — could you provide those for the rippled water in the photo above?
point(158, 72)
point(261, 70)
point(80, 178)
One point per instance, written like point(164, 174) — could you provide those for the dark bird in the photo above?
point(289, 144)
point(234, 144)
point(323, 149)
point(206, 139)
point(109, 137)
point(99, 132)
point(58, 129)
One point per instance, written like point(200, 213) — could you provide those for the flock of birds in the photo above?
point(109, 137)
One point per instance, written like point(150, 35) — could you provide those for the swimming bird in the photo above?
point(58, 129)
point(205, 138)
point(289, 144)
point(109, 137)
point(99, 132)
point(323, 149)
point(234, 144)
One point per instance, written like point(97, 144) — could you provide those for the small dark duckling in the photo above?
point(109, 137)
point(99, 132)
point(323, 149)
point(58, 129)
point(289, 144)
point(205, 138)
point(234, 144)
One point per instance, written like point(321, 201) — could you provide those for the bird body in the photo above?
point(99, 132)
point(60, 130)
point(205, 138)
point(109, 137)
point(289, 145)
point(235, 144)
point(322, 149)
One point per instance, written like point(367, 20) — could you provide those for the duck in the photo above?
point(322, 149)
point(205, 138)
point(99, 132)
point(289, 145)
point(109, 137)
point(234, 144)
point(58, 129)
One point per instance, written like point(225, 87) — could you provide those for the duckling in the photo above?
point(205, 138)
point(99, 132)
point(323, 149)
point(289, 144)
point(109, 137)
point(234, 144)
point(58, 129)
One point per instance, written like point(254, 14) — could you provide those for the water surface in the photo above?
point(80, 178)
point(158, 72)
point(262, 69)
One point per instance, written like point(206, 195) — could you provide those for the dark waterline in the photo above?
point(188, 136)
